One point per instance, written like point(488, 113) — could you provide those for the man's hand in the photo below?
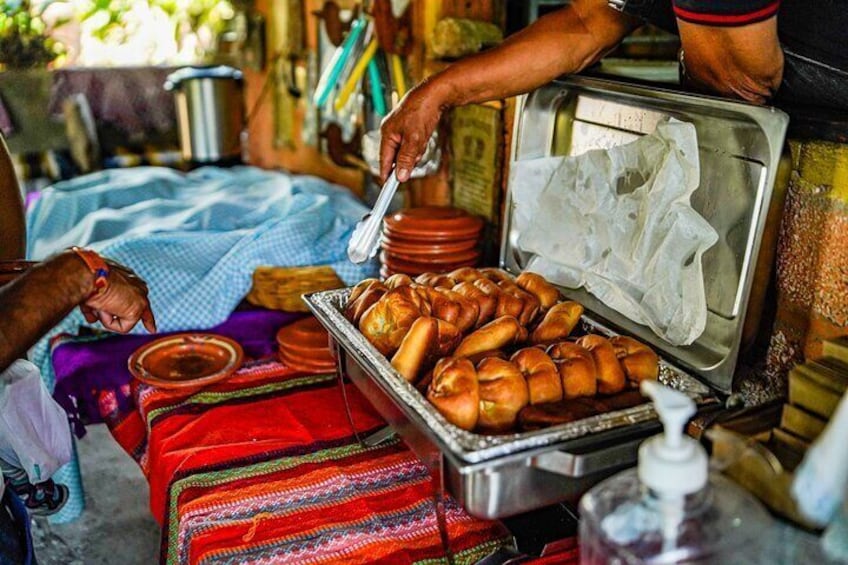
point(122, 304)
point(406, 131)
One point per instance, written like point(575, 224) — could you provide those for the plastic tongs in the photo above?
point(366, 236)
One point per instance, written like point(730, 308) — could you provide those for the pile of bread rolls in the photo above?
point(491, 351)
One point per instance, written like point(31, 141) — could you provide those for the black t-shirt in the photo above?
point(814, 29)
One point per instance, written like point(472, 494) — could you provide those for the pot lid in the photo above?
point(175, 79)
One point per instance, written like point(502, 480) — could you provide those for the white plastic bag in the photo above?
point(34, 430)
point(619, 222)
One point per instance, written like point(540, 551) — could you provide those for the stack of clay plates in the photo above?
point(430, 239)
point(304, 345)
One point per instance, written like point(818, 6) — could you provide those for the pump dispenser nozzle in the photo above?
point(672, 463)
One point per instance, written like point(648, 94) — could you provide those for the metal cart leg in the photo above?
point(439, 496)
point(383, 434)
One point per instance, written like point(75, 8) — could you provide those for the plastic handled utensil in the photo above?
point(365, 240)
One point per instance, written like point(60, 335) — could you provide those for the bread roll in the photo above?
point(558, 323)
point(530, 305)
point(541, 374)
point(486, 304)
point(448, 337)
point(415, 347)
point(465, 274)
point(455, 392)
point(610, 375)
point(469, 310)
point(496, 334)
point(358, 307)
point(361, 287)
point(440, 306)
point(434, 280)
point(386, 322)
point(576, 369)
point(509, 305)
point(488, 286)
point(396, 280)
point(536, 285)
point(495, 274)
point(503, 393)
point(639, 361)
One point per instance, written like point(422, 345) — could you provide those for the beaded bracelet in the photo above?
point(97, 266)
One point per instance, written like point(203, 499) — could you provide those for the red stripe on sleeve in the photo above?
point(727, 19)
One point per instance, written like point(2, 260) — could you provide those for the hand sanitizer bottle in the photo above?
point(671, 509)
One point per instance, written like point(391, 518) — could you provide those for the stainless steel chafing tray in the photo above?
point(501, 475)
point(494, 476)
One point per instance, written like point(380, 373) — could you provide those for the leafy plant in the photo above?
point(24, 39)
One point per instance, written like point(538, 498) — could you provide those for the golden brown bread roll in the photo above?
point(438, 305)
point(415, 347)
point(541, 374)
point(495, 274)
point(448, 337)
point(435, 279)
point(509, 305)
point(639, 361)
point(576, 369)
point(386, 322)
point(536, 285)
point(488, 286)
point(610, 375)
point(503, 393)
point(469, 310)
point(396, 280)
point(558, 323)
point(486, 304)
point(357, 308)
point(530, 304)
point(465, 274)
point(494, 335)
point(455, 392)
point(361, 287)
point(477, 357)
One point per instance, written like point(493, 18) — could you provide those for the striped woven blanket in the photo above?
point(265, 468)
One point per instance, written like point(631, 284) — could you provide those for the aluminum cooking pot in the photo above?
point(210, 112)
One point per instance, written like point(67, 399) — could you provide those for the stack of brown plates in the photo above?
point(430, 239)
point(304, 345)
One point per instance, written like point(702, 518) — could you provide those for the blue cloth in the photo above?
point(195, 238)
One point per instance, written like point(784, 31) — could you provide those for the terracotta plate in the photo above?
point(430, 219)
point(435, 259)
point(440, 236)
point(186, 360)
point(401, 247)
point(307, 333)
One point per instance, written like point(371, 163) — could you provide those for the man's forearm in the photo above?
point(38, 300)
point(563, 42)
point(13, 234)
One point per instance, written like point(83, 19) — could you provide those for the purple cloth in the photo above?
point(89, 368)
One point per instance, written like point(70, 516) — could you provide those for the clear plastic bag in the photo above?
point(34, 430)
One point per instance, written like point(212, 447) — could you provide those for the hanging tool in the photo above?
point(356, 75)
point(331, 76)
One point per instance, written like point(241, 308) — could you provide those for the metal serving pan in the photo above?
point(494, 476)
point(740, 150)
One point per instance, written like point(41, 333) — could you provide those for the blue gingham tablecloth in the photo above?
point(196, 239)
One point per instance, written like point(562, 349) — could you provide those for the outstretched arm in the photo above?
point(13, 232)
point(560, 43)
point(39, 299)
point(731, 48)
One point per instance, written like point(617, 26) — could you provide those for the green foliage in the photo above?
point(24, 39)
